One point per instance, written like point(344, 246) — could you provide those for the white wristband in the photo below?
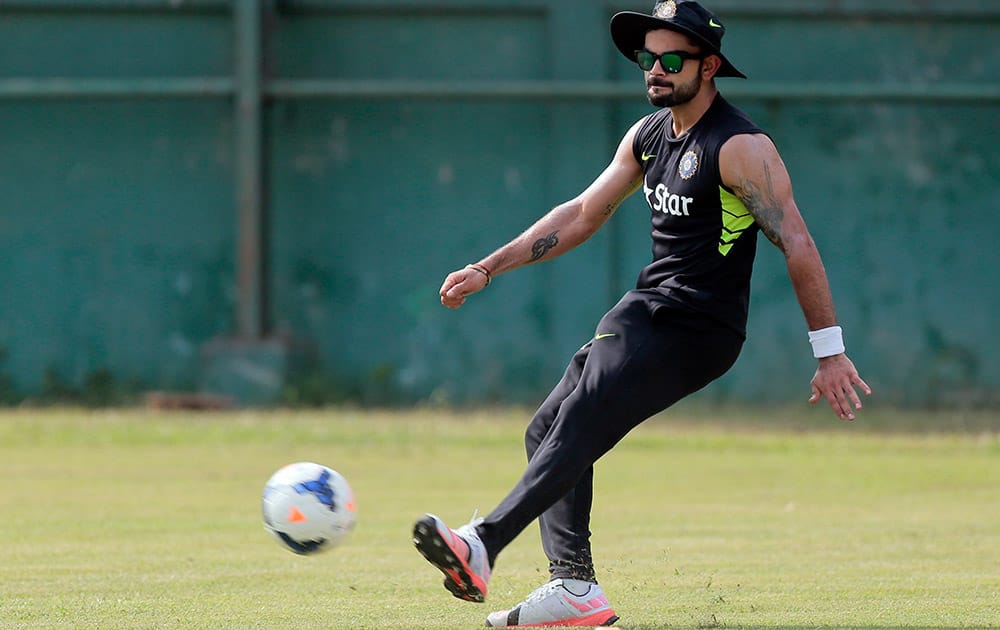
point(827, 342)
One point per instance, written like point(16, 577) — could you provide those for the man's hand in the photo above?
point(835, 379)
point(461, 283)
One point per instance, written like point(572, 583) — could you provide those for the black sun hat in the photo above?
point(628, 29)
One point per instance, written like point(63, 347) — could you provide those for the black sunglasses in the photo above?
point(672, 61)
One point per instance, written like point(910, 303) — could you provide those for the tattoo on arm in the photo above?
point(764, 207)
point(543, 245)
point(611, 207)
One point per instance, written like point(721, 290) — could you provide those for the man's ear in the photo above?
point(709, 66)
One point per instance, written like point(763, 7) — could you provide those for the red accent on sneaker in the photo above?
point(600, 600)
point(448, 550)
point(581, 607)
point(595, 619)
point(458, 545)
point(460, 548)
point(596, 602)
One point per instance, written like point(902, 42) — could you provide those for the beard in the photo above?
point(679, 95)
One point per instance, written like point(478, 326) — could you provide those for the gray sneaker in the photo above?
point(558, 603)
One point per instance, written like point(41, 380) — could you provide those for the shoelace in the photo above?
point(473, 522)
point(542, 591)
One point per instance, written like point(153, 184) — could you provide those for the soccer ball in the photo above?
point(308, 507)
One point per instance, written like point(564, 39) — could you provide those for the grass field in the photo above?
point(134, 519)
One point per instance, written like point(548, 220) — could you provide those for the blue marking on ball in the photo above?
point(319, 488)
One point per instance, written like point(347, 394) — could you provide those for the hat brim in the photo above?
point(628, 31)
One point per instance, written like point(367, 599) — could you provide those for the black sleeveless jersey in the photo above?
point(704, 239)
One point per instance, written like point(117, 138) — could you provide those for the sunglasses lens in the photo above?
point(671, 62)
point(645, 59)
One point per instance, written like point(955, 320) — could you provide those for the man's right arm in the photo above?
point(563, 228)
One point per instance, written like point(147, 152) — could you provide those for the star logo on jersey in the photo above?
point(666, 10)
point(688, 165)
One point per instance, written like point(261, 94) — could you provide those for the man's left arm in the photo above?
point(753, 170)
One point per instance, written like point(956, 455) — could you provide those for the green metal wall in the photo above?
point(399, 140)
point(116, 222)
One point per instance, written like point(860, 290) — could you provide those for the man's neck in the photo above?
point(687, 115)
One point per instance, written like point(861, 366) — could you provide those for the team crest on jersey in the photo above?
point(666, 10)
point(689, 165)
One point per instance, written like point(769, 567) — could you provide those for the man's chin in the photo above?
point(659, 97)
point(659, 100)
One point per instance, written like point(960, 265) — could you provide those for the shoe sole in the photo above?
point(435, 547)
point(590, 621)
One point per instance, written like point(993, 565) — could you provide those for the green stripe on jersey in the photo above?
point(736, 220)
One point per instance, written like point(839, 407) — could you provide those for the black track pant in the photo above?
point(644, 357)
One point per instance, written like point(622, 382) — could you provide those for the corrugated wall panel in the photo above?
point(117, 221)
point(119, 227)
point(117, 238)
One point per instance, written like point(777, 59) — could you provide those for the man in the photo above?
point(712, 180)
